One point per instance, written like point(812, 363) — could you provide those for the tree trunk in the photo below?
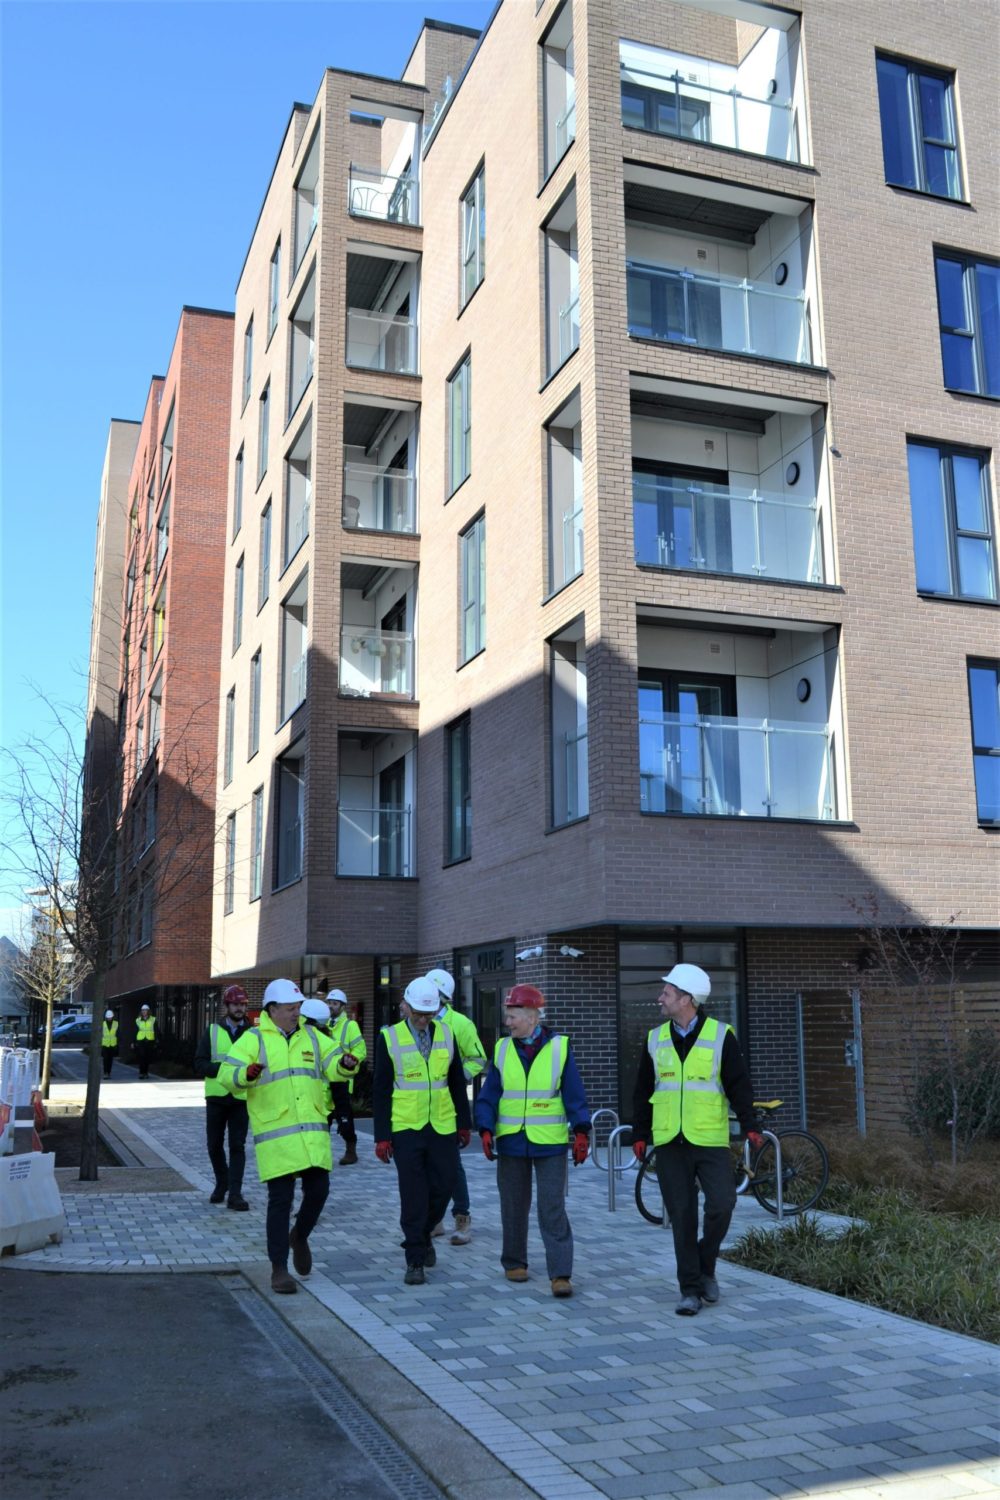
point(46, 1076)
point(88, 1143)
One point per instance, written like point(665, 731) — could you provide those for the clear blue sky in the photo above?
point(138, 140)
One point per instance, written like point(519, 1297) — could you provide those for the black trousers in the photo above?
point(224, 1113)
point(343, 1109)
point(681, 1169)
point(280, 1193)
point(108, 1057)
point(427, 1165)
point(144, 1053)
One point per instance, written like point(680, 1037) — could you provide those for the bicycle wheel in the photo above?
point(647, 1190)
point(805, 1169)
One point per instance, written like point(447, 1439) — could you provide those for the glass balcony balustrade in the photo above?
point(569, 327)
point(736, 767)
point(681, 306)
point(379, 499)
point(381, 341)
point(374, 662)
point(566, 127)
point(718, 528)
point(669, 104)
point(374, 841)
point(374, 194)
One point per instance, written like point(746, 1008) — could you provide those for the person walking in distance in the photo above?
point(470, 1050)
point(109, 1041)
point(145, 1039)
point(421, 1117)
point(530, 1103)
point(281, 1063)
point(690, 1074)
point(225, 1111)
point(346, 1034)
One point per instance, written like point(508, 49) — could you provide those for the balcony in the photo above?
point(677, 305)
point(379, 499)
point(569, 327)
point(381, 341)
point(374, 841)
point(375, 794)
point(376, 663)
point(374, 194)
point(724, 529)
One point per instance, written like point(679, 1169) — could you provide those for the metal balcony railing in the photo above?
point(381, 341)
point(681, 306)
point(373, 194)
point(374, 841)
point(379, 499)
point(670, 104)
point(375, 662)
point(725, 529)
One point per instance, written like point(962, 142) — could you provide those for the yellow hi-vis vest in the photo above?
point(532, 1102)
point(346, 1035)
point(688, 1098)
point(470, 1048)
point(221, 1043)
point(109, 1033)
point(290, 1132)
point(144, 1030)
point(420, 1094)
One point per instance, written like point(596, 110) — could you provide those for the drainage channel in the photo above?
point(395, 1466)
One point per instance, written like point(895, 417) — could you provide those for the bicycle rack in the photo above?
point(595, 1152)
point(769, 1135)
point(615, 1167)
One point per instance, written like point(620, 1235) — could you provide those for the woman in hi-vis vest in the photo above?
point(530, 1104)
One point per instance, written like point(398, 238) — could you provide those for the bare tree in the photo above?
point(46, 970)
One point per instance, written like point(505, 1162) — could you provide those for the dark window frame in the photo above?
point(987, 751)
point(947, 453)
point(458, 813)
point(972, 328)
point(919, 140)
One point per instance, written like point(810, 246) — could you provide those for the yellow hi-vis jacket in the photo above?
point(290, 1131)
point(420, 1092)
point(109, 1033)
point(221, 1043)
point(470, 1048)
point(346, 1036)
point(532, 1102)
point(688, 1097)
point(145, 1030)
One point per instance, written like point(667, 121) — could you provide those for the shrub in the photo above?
point(965, 1090)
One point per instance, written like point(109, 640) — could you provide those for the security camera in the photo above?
point(526, 953)
point(571, 952)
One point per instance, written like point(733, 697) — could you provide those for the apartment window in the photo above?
point(230, 730)
point(264, 575)
point(147, 582)
point(274, 292)
point(140, 745)
point(458, 833)
point(247, 361)
point(473, 552)
point(984, 701)
point(559, 88)
point(301, 344)
point(568, 709)
point(230, 863)
point(256, 843)
point(919, 145)
point(294, 647)
point(166, 455)
point(163, 533)
point(142, 667)
point(562, 283)
point(159, 622)
point(263, 431)
point(290, 789)
point(306, 203)
point(149, 810)
point(238, 606)
point(460, 425)
point(969, 311)
point(155, 712)
point(238, 495)
point(254, 736)
point(145, 909)
point(473, 215)
point(952, 513)
point(298, 493)
point(565, 503)
point(151, 490)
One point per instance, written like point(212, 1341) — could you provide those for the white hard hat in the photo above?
point(443, 980)
point(109, 1015)
point(143, 1007)
point(423, 995)
point(315, 1010)
point(282, 992)
point(338, 996)
point(689, 978)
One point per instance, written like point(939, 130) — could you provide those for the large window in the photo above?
point(247, 361)
point(238, 494)
point(969, 312)
point(263, 431)
point(159, 621)
point(458, 833)
point(473, 214)
point(166, 456)
point(230, 889)
point(230, 730)
point(460, 425)
point(301, 344)
point(163, 532)
point(256, 843)
point(155, 712)
point(298, 493)
point(919, 143)
point(952, 513)
point(253, 744)
point(274, 291)
point(473, 550)
point(568, 705)
point(565, 496)
point(290, 788)
point(984, 701)
point(264, 566)
point(306, 203)
point(294, 647)
point(238, 605)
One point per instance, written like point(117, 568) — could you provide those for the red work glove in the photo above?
point(756, 1141)
point(487, 1139)
point(383, 1150)
point(638, 1149)
point(254, 1070)
point(581, 1148)
point(464, 1137)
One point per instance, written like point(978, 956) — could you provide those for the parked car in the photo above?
point(70, 1033)
point(63, 1021)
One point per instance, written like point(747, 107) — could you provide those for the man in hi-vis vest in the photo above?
point(421, 1117)
point(689, 1075)
point(282, 1063)
point(470, 1049)
point(530, 1103)
point(225, 1112)
point(145, 1039)
point(109, 1041)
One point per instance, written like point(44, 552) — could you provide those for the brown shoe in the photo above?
point(301, 1254)
point(281, 1281)
point(350, 1157)
point(463, 1229)
point(562, 1287)
point(518, 1273)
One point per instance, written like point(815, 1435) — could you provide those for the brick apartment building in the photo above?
point(611, 565)
point(166, 685)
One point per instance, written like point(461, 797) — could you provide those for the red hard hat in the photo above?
point(235, 993)
point(525, 997)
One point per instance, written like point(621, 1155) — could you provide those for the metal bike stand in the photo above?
point(615, 1162)
point(597, 1115)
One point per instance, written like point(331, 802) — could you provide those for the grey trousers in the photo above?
point(514, 1183)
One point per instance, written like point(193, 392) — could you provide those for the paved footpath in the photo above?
point(778, 1390)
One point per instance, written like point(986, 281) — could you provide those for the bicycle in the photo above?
point(805, 1171)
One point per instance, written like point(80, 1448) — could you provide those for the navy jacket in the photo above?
point(573, 1097)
